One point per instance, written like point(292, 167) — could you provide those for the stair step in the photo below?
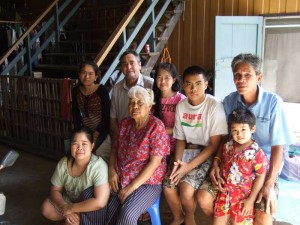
point(169, 14)
point(62, 67)
point(96, 19)
point(80, 41)
point(70, 54)
point(109, 7)
point(57, 67)
point(161, 38)
point(149, 54)
point(86, 30)
point(146, 70)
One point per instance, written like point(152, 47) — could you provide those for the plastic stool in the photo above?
point(154, 212)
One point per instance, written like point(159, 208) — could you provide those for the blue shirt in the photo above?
point(271, 123)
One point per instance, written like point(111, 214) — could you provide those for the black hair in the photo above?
point(244, 116)
point(196, 70)
point(176, 86)
point(93, 65)
point(88, 132)
point(130, 51)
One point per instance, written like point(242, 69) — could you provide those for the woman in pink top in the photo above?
point(166, 89)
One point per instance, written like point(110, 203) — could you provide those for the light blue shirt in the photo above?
point(272, 127)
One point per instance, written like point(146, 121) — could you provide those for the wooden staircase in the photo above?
point(82, 38)
point(152, 26)
point(76, 31)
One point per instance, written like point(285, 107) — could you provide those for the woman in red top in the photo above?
point(138, 160)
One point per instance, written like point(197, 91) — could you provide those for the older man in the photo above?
point(272, 132)
point(130, 64)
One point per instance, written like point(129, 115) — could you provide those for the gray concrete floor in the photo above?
point(26, 184)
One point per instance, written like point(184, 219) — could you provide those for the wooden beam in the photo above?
point(117, 33)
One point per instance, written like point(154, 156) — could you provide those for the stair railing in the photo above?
point(121, 29)
point(26, 52)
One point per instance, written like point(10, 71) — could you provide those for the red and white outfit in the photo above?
point(239, 171)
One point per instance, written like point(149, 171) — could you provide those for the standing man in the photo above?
point(272, 133)
point(130, 64)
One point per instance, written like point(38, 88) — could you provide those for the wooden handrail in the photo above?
point(12, 48)
point(117, 33)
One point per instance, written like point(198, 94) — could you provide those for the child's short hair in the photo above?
point(241, 116)
point(195, 70)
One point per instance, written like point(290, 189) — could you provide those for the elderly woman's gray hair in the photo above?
point(146, 94)
point(253, 60)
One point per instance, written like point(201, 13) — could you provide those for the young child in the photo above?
point(80, 190)
point(243, 170)
point(166, 89)
point(199, 124)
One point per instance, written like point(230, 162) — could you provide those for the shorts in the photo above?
point(208, 186)
point(196, 177)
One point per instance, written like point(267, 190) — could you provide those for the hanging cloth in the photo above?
point(66, 100)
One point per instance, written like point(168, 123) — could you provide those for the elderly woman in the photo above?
point(138, 160)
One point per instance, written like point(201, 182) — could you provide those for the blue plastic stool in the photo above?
point(154, 212)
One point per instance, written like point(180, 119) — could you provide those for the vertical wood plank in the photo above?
point(188, 33)
point(258, 7)
point(282, 6)
point(215, 10)
point(207, 40)
point(197, 39)
point(291, 6)
point(243, 8)
point(231, 7)
point(250, 7)
point(274, 6)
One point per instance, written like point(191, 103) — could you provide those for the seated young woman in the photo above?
point(80, 189)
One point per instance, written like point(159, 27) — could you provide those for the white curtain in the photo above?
point(281, 73)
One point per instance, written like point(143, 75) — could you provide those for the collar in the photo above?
point(259, 97)
point(140, 82)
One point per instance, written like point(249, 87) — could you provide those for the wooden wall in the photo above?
point(192, 41)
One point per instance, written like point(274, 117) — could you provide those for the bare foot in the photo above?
point(177, 221)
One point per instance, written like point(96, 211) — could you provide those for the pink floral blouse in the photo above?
point(135, 147)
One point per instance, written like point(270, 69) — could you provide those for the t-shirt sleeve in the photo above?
point(57, 178)
point(100, 172)
point(260, 162)
point(218, 121)
point(159, 141)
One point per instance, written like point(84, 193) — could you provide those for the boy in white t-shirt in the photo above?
point(200, 123)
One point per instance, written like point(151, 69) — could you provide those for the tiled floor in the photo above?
point(27, 183)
